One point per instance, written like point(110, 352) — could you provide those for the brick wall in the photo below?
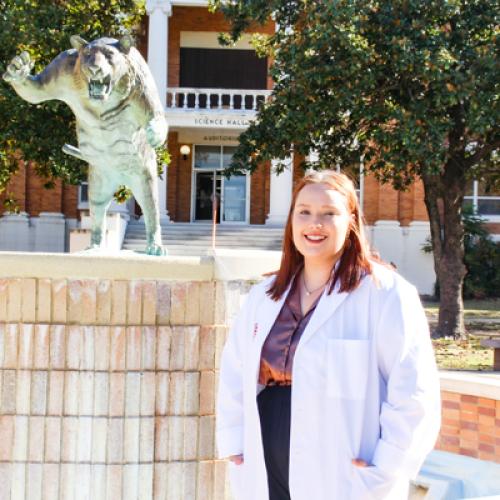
point(107, 388)
point(27, 188)
point(179, 181)
point(383, 202)
point(470, 426)
point(196, 19)
point(259, 194)
point(16, 188)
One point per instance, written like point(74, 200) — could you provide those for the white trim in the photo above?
point(210, 40)
point(483, 385)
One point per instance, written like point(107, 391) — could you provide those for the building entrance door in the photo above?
point(231, 196)
point(206, 184)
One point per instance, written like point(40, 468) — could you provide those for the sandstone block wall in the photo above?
point(107, 388)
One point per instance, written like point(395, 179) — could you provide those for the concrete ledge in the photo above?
point(481, 384)
point(122, 265)
point(449, 476)
point(232, 264)
point(224, 265)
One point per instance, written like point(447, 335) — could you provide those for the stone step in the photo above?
point(164, 230)
point(194, 239)
point(184, 244)
point(206, 237)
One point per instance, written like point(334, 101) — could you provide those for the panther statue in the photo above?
point(119, 121)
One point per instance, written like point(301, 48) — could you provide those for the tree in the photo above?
point(37, 133)
point(411, 86)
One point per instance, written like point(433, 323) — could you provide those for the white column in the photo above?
point(280, 193)
point(159, 12)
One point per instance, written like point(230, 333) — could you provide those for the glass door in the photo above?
point(205, 182)
point(234, 200)
point(234, 192)
point(230, 194)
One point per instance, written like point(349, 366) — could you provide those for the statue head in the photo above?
point(103, 63)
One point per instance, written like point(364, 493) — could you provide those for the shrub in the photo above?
point(482, 259)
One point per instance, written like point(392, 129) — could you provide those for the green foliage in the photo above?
point(482, 259)
point(38, 132)
point(123, 194)
point(163, 158)
point(410, 85)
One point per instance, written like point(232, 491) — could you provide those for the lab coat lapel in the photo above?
point(267, 314)
point(327, 305)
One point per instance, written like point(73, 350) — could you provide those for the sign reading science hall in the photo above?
point(178, 118)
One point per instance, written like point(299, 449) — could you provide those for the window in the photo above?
point(83, 196)
point(222, 69)
point(484, 201)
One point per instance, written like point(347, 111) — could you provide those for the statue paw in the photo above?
point(155, 249)
point(156, 132)
point(19, 68)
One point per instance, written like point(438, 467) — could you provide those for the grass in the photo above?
point(472, 308)
point(463, 355)
point(467, 354)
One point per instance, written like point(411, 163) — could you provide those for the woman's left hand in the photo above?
point(359, 463)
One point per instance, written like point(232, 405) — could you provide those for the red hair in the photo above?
point(354, 263)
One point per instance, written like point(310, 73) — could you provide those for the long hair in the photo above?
point(354, 262)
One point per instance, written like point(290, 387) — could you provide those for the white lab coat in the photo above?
point(365, 385)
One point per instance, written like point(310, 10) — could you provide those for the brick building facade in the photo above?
point(210, 93)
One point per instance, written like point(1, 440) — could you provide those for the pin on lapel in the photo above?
point(255, 330)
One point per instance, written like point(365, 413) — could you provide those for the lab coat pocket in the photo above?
point(371, 483)
point(347, 368)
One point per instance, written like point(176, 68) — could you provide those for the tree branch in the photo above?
point(482, 153)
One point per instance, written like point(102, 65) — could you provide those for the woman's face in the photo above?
point(320, 223)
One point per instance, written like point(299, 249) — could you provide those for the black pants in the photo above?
point(274, 410)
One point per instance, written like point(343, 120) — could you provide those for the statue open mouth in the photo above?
point(100, 89)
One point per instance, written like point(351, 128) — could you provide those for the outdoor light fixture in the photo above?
point(185, 150)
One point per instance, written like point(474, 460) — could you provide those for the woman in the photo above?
point(328, 386)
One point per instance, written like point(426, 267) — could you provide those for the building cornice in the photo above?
point(164, 5)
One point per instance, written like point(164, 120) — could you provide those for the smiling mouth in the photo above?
point(315, 238)
point(100, 89)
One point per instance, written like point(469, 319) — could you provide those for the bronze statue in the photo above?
point(119, 119)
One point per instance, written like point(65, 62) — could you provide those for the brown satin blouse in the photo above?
point(277, 353)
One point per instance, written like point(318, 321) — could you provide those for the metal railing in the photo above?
point(216, 99)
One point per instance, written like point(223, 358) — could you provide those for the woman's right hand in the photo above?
point(236, 459)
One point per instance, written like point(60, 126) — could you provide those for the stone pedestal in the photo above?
point(108, 376)
point(116, 226)
point(402, 245)
point(15, 232)
point(419, 265)
point(49, 232)
point(387, 240)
